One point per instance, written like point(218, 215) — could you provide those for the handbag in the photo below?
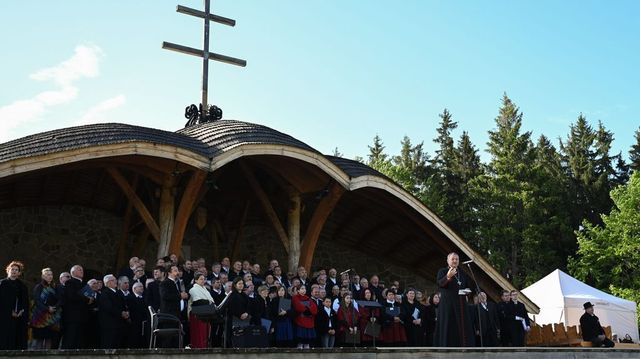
point(372, 329)
point(352, 338)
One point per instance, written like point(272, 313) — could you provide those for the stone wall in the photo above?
point(58, 237)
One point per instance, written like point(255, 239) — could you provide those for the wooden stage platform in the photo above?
point(340, 353)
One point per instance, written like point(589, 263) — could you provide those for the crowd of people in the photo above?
point(324, 309)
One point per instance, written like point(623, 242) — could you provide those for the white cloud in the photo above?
point(84, 63)
point(96, 114)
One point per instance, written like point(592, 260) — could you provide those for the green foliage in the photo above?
point(634, 153)
point(608, 255)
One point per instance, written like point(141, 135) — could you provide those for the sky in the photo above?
point(330, 73)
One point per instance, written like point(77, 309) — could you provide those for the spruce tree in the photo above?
point(634, 153)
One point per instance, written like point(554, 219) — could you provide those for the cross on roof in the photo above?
point(205, 113)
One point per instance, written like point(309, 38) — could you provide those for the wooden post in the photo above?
point(191, 194)
point(320, 216)
point(167, 208)
point(293, 221)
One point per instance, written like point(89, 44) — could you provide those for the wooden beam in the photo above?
point(122, 245)
point(188, 202)
point(166, 215)
point(137, 202)
point(266, 205)
point(319, 218)
point(235, 252)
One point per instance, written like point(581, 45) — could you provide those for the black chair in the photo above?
point(164, 325)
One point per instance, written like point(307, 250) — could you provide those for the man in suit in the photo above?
point(519, 320)
point(127, 297)
point(112, 314)
point(76, 309)
point(152, 297)
point(139, 314)
point(171, 295)
point(486, 323)
point(504, 324)
point(591, 329)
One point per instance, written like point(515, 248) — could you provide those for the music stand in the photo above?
point(370, 304)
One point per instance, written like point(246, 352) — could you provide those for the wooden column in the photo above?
point(166, 216)
point(322, 212)
point(293, 220)
point(192, 193)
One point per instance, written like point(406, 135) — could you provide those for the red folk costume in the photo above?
point(304, 306)
point(392, 331)
point(347, 318)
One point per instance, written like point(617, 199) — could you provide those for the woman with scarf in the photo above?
point(199, 295)
point(46, 313)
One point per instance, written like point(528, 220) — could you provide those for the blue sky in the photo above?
point(331, 73)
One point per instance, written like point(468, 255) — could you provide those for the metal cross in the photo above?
point(204, 53)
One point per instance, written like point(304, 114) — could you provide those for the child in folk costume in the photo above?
point(348, 319)
point(305, 314)
point(392, 326)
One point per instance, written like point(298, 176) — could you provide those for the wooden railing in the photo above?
point(556, 335)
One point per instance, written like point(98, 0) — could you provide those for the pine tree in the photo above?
point(634, 153)
point(501, 196)
point(376, 152)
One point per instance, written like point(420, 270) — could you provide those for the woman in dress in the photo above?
point(369, 315)
point(46, 313)
point(199, 295)
point(431, 318)
point(392, 328)
point(282, 319)
point(348, 319)
point(412, 317)
point(238, 306)
point(14, 309)
point(305, 316)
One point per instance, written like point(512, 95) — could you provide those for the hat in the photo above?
point(587, 305)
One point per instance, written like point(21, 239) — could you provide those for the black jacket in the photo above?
point(110, 308)
point(169, 298)
point(76, 305)
point(590, 327)
point(323, 320)
point(152, 295)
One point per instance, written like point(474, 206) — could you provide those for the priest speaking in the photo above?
point(454, 326)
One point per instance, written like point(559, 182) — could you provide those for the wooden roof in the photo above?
point(374, 216)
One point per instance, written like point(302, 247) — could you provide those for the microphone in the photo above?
point(467, 262)
point(347, 271)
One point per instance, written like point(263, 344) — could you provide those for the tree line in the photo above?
point(533, 207)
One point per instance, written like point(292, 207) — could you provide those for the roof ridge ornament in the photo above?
point(204, 113)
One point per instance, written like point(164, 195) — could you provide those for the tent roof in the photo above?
point(559, 284)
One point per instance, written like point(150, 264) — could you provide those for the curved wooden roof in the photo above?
point(211, 146)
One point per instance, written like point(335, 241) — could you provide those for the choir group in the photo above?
point(296, 309)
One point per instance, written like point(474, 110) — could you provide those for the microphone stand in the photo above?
point(477, 305)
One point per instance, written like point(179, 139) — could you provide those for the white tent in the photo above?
point(560, 298)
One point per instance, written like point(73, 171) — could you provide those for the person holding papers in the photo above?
point(412, 318)
point(519, 320)
point(454, 326)
point(281, 312)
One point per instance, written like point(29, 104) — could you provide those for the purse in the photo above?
point(372, 329)
point(352, 338)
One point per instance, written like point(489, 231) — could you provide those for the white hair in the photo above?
point(107, 278)
point(74, 268)
point(137, 284)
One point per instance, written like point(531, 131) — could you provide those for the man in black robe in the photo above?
point(454, 328)
point(520, 323)
point(14, 309)
point(591, 329)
